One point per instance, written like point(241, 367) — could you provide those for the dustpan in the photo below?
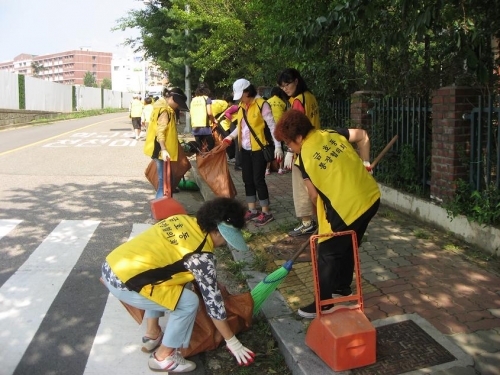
point(343, 338)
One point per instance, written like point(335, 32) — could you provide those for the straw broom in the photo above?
point(263, 289)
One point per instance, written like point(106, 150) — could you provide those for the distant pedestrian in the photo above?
point(136, 114)
point(345, 194)
point(146, 113)
point(278, 102)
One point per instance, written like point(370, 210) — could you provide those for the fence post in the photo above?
point(359, 108)
point(450, 138)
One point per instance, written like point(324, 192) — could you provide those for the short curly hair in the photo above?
point(214, 211)
point(292, 124)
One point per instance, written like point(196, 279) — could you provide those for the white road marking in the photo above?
point(117, 344)
point(7, 225)
point(28, 294)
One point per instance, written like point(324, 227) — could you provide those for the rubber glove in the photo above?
point(243, 355)
point(228, 140)
point(165, 155)
point(288, 160)
point(278, 154)
point(368, 167)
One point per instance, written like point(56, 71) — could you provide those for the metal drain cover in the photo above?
point(404, 347)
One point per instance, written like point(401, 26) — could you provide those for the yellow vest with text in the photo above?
point(198, 112)
point(254, 117)
point(345, 189)
point(151, 146)
point(278, 107)
point(310, 104)
point(152, 263)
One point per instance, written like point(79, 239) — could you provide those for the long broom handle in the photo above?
point(383, 152)
point(301, 248)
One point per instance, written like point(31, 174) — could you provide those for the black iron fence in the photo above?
point(484, 150)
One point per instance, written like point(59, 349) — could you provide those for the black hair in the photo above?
point(148, 100)
point(221, 209)
point(251, 90)
point(288, 76)
point(279, 93)
point(202, 90)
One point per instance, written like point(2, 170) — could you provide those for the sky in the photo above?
point(41, 27)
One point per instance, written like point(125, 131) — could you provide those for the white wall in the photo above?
point(47, 96)
point(88, 98)
point(9, 91)
point(112, 99)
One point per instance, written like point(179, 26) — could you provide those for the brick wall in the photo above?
point(450, 138)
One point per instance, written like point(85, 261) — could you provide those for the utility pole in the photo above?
point(187, 83)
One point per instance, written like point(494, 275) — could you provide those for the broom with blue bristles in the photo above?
point(263, 289)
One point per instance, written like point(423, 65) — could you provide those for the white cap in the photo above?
point(238, 87)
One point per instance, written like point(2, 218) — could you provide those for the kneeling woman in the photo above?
point(151, 270)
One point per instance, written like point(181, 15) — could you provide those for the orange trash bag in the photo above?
point(239, 310)
point(213, 169)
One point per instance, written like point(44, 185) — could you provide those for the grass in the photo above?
point(76, 115)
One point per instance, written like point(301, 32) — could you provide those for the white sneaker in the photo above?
point(174, 363)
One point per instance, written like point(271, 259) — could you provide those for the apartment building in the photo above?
point(67, 67)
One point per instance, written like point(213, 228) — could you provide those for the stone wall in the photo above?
point(12, 117)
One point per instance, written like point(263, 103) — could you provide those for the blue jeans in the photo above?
point(159, 167)
point(177, 332)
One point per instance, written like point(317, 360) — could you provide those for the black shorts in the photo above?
point(136, 122)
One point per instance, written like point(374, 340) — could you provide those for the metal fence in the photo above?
point(484, 150)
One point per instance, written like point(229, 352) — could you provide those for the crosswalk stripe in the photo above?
point(7, 225)
point(117, 342)
point(27, 295)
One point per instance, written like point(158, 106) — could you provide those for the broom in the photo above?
point(263, 289)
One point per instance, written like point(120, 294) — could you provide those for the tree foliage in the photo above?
point(89, 80)
point(399, 47)
point(106, 84)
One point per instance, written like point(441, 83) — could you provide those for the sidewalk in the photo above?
point(410, 273)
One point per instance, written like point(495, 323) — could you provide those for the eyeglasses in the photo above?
point(285, 85)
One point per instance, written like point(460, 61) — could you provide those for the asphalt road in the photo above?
point(70, 192)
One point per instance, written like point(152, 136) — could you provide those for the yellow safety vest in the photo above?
point(345, 189)
point(151, 263)
point(198, 112)
point(310, 104)
point(254, 117)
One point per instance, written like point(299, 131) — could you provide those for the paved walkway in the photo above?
point(408, 270)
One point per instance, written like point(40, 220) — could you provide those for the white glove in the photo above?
point(243, 355)
point(368, 167)
point(165, 155)
point(288, 160)
point(278, 154)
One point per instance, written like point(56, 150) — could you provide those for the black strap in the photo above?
point(251, 130)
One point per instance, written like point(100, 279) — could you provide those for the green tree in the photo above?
point(89, 80)
point(106, 84)
point(36, 68)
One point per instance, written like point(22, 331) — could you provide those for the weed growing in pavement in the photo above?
point(259, 263)
point(421, 233)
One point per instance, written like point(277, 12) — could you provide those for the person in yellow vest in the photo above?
point(292, 83)
point(150, 272)
point(345, 194)
point(202, 118)
point(146, 113)
point(254, 113)
point(162, 138)
point(278, 102)
point(135, 114)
